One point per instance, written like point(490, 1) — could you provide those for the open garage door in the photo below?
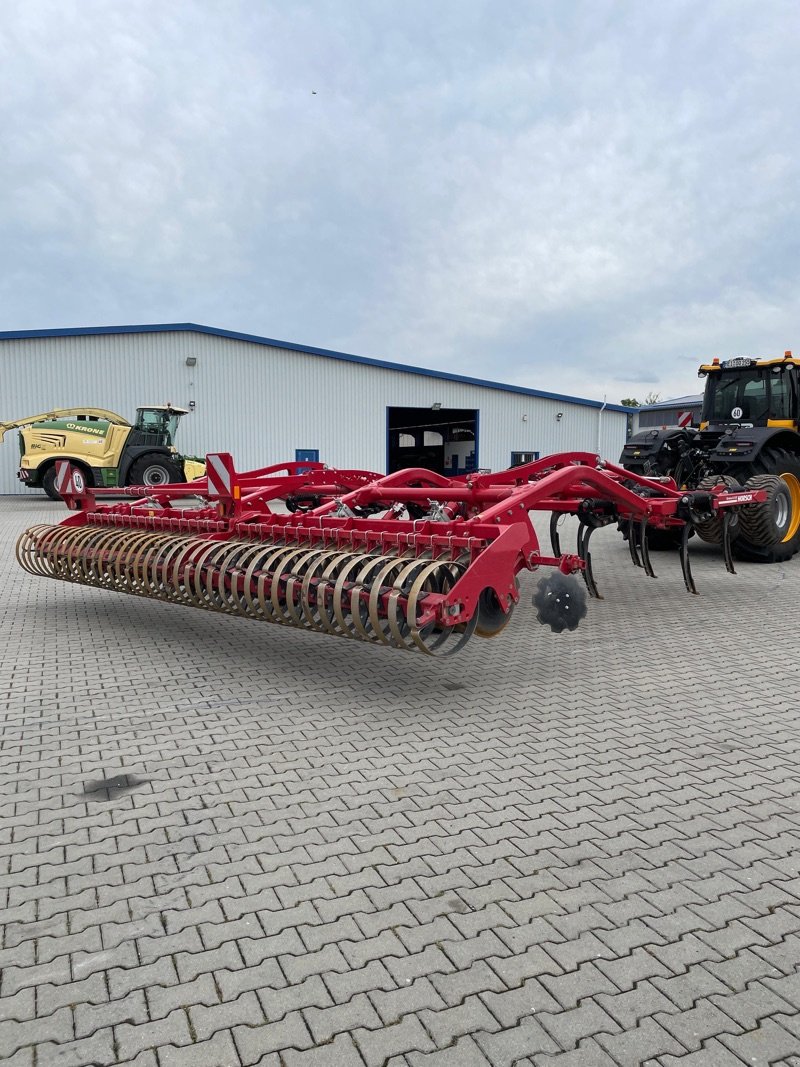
point(444, 440)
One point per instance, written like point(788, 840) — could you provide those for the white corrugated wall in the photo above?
point(261, 403)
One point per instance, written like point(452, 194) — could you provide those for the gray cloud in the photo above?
point(587, 197)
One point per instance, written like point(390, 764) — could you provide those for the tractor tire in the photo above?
point(711, 530)
point(771, 531)
point(49, 483)
point(154, 470)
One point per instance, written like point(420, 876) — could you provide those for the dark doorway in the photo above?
point(444, 440)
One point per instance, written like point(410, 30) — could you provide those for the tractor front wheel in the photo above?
point(771, 531)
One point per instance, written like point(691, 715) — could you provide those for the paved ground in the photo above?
point(225, 843)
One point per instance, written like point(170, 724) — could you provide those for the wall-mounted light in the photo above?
point(524, 418)
point(436, 407)
point(191, 405)
point(191, 361)
point(559, 416)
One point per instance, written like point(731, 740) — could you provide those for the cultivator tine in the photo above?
point(634, 551)
point(555, 540)
point(685, 565)
point(584, 533)
point(645, 549)
point(726, 542)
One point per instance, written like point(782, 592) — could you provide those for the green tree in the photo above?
point(630, 402)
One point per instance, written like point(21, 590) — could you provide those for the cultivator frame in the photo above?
point(414, 560)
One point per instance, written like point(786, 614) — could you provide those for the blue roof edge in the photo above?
point(193, 327)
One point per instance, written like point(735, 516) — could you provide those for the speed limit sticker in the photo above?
point(737, 413)
point(77, 482)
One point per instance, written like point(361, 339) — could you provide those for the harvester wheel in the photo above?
point(49, 483)
point(154, 470)
point(711, 530)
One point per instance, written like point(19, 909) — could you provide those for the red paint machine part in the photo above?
point(413, 560)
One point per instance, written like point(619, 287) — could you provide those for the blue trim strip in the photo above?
point(193, 327)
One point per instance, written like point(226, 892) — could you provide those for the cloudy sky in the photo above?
point(587, 197)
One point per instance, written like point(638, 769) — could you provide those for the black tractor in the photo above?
point(748, 438)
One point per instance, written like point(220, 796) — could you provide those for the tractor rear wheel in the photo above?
point(154, 470)
point(771, 531)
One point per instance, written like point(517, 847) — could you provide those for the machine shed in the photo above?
point(680, 411)
point(266, 401)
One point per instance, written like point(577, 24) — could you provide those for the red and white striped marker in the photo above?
point(221, 475)
point(69, 481)
point(684, 418)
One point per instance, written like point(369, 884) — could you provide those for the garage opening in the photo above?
point(444, 440)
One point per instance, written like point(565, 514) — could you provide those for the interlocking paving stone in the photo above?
point(92, 1017)
point(712, 1054)
point(325, 1023)
point(206, 1020)
point(173, 1029)
point(217, 1051)
point(449, 1024)
point(14, 1035)
point(279, 1002)
point(100, 1048)
point(696, 1025)
point(588, 1054)
point(407, 1035)
point(310, 853)
point(635, 1046)
point(255, 1042)
point(373, 977)
point(770, 1042)
point(341, 1052)
point(506, 1046)
point(464, 1053)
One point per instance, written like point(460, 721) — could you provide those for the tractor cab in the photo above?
point(157, 425)
point(747, 392)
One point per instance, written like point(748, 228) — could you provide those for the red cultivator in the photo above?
point(413, 560)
